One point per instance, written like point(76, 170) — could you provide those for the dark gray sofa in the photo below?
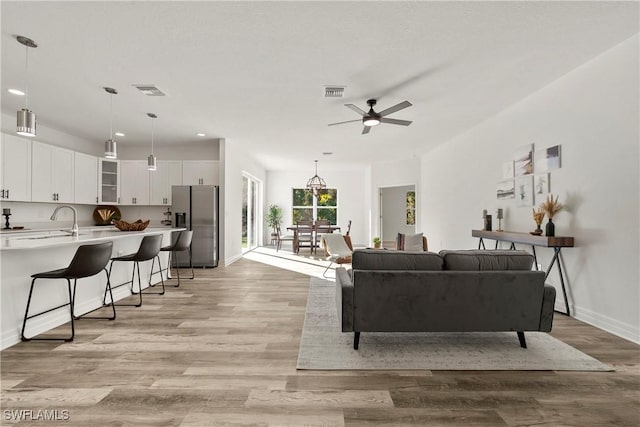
point(453, 291)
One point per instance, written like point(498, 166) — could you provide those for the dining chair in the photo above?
point(305, 234)
point(293, 238)
point(322, 227)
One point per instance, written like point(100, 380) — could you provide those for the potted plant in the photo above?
point(274, 218)
point(376, 242)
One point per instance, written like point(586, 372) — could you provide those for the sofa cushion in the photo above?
point(477, 260)
point(372, 259)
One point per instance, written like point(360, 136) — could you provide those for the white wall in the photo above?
point(394, 174)
point(593, 113)
point(235, 160)
point(352, 198)
point(394, 214)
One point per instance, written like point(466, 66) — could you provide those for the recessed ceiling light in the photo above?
point(327, 153)
point(200, 134)
point(119, 134)
point(16, 92)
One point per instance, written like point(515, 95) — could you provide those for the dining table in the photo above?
point(313, 230)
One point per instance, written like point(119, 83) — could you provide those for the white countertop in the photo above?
point(32, 239)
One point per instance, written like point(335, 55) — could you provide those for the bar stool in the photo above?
point(182, 243)
point(88, 261)
point(148, 250)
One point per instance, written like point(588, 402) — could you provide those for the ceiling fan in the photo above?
point(371, 118)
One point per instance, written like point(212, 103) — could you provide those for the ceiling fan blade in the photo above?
point(397, 107)
point(366, 130)
point(395, 121)
point(348, 121)
point(356, 109)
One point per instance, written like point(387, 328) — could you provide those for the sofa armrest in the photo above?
point(548, 304)
point(344, 299)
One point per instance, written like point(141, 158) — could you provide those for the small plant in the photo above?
point(551, 207)
point(376, 242)
point(274, 217)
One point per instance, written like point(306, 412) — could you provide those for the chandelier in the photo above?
point(316, 183)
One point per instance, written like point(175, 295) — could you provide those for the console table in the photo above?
point(556, 242)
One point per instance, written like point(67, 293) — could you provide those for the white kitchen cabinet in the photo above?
point(85, 189)
point(109, 181)
point(52, 173)
point(134, 182)
point(169, 173)
point(15, 168)
point(200, 172)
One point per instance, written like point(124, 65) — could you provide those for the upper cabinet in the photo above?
point(168, 174)
point(85, 189)
point(52, 173)
point(200, 172)
point(134, 178)
point(15, 168)
point(108, 181)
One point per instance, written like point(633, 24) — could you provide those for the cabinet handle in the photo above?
point(2, 197)
point(7, 194)
point(96, 199)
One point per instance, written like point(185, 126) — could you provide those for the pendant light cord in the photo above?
point(111, 116)
point(152, 136)
point(26, 80)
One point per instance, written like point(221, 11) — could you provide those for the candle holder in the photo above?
point(500, 216)
point(7, 226)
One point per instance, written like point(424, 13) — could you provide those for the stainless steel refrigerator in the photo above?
point(195, 207)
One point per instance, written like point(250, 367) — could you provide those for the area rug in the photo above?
point(324, 347)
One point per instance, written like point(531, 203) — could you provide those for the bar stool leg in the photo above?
point(177, 268)
point(26, 313)
point(27, 317)
point(151, 275)
point(193, 275)
point(107, 288)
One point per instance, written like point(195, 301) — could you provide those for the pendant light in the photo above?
point(26, 119)
point(316, 183)
point(110, 148)
point(151, 160)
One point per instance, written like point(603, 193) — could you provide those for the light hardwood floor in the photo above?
point(222, 350)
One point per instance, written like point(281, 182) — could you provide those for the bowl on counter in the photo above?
point(138, 225)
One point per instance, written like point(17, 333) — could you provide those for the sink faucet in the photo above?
point(74, 229)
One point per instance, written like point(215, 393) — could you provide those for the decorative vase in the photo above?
point(537, 231)
point(550, 228)
point(376, 245)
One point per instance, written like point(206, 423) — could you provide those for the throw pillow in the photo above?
point(410, 242)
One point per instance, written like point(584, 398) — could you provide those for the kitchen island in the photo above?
point(26, 253)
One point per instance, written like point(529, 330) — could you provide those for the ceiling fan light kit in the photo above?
point(26, 119)
point(372, 118)
point(110, 146)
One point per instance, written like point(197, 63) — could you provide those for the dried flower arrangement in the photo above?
point(538, 216)
point(551, 207)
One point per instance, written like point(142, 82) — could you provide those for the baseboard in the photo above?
point(606, 323)
point(231, 260)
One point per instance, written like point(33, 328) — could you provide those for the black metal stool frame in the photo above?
point(172, 255)
point(136, 266)
point(59, 274)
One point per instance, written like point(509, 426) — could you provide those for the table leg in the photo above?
point(481, 242)
point(556, 255)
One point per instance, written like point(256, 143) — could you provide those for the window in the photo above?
point(307, 207)
point(411, 208)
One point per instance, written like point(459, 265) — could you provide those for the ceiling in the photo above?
point(254, 72)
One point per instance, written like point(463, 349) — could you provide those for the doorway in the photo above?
point(397, 213)
point(251, 212)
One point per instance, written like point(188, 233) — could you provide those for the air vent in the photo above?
point(333, 91)
point(150, 90)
